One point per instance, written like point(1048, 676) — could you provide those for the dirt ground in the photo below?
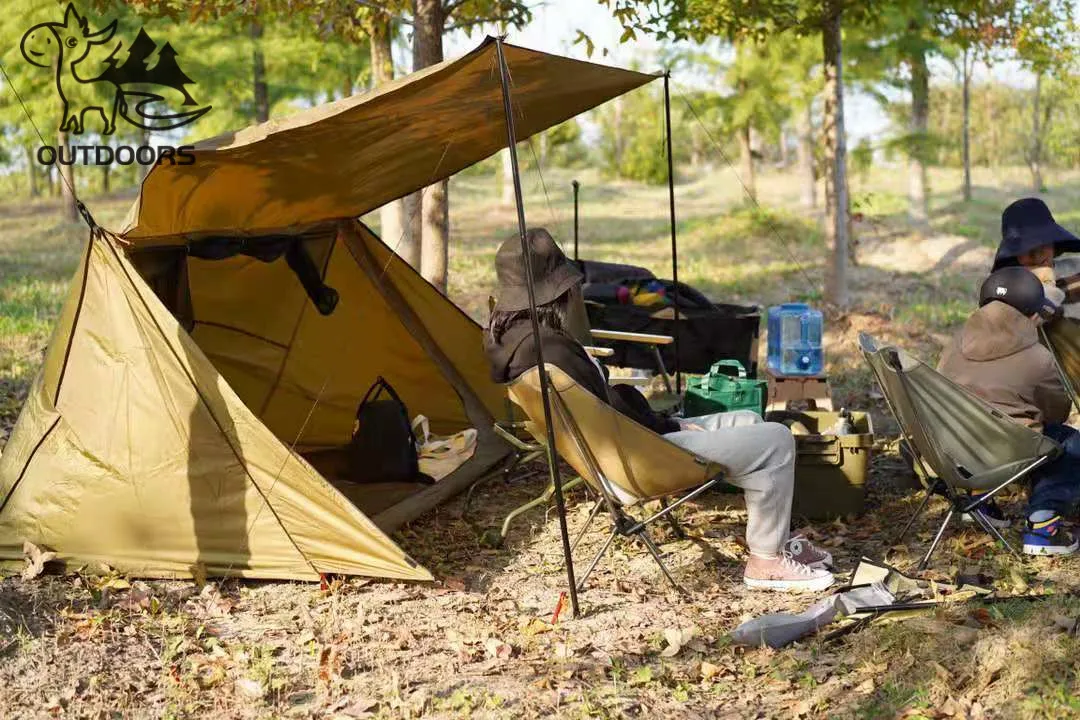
point(481, 641)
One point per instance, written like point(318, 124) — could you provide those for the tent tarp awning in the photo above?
point(349, 157)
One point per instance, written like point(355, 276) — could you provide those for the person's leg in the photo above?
point(760, 459)
point(735, 418)
point(1057, 485)
point(1055, 491)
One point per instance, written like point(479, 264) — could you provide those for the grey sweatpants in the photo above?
point(759, 458)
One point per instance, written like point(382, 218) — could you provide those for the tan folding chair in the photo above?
point(526, 451)
point(624, 462)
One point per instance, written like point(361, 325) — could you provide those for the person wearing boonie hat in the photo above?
point(758, 456)
point(997, 355)
point(1031, 238)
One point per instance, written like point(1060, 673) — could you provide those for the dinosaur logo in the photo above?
point(134, 85)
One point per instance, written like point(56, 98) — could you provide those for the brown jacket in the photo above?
point(997, 355)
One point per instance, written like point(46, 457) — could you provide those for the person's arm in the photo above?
point(571, 358)
point(1071, 287)
point(1051, 397)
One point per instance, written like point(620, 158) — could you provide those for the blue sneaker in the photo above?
point(1048, 537)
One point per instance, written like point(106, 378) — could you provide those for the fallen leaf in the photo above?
point(982, 617)
point(642, 676)
point(35, 560)
point(676, 639)
point(250, 688)
point(454, 584)
point(709, 671)
point(535, 626)
point(1066, 624)
point(497, 649)
point(328, 661)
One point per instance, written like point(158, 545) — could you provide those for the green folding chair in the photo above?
point(968, 444)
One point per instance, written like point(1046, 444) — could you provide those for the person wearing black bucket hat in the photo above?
point(1030, 237)
point(997, 355)
point(759, 456)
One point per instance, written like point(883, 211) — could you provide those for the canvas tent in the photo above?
point(194, 393)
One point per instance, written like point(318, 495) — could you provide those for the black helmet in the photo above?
point(1015, 286)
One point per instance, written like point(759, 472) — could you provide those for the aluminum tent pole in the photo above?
point(576, 185)
point(674, 244)
point(553, 470)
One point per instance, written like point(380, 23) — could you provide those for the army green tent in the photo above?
point(195, 377)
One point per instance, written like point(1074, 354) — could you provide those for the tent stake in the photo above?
point(674, 245)
point(552, 458)
point(576, 185)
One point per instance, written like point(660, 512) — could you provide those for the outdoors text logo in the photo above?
point(131, 90)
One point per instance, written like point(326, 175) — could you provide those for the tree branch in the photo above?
point(382, 9)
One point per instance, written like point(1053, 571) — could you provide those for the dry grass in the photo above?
point(476, 644)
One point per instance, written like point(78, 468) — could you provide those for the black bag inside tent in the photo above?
point(708, 331)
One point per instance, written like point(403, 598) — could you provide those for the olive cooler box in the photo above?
point(831, 470)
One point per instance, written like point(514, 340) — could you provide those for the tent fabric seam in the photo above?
point(75, 319)
point(288, 348)
point(449, 371)
point(30, 459)
point(241, 331)
point(217, 423)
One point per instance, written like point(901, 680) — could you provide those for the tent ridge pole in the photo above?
point(553, 470)
point(674, 243)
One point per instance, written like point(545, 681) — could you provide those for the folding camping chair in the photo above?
point(966, 442)
point(526, 451)
point(1062, 336)
point(624, 462)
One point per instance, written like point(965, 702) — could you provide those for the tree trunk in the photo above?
point(411, 210)
point(966, 105)
point(746, 154)
point(783, 147)
point(262, 91)
point(746, 151)
point(143, 170)
point(67, 180)
point(1035, 159)
point(806, 157)
point(506, 179)
point(105, 179)
point(920, 119)
point(31, 172)
point(428, 24)
point(616, 126)
point(836, 197)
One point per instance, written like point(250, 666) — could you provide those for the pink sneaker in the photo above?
point(803, 551)
point(784, 574)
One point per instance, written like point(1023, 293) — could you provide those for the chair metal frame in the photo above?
point(623, 524)
point(958, 504)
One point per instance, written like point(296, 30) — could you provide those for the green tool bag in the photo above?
point(720, 391)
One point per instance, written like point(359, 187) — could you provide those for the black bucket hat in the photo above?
point(1027, 224)
point(1014, 286)
point(553, 273)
